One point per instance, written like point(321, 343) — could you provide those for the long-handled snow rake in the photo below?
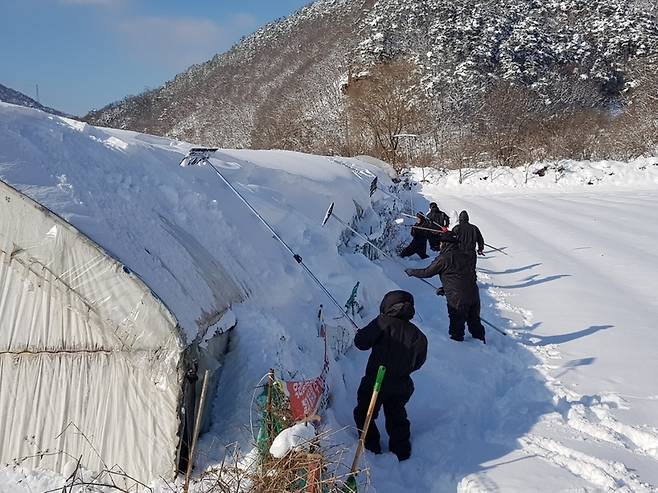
point(201, 155)
point(374, 186)
point(330, 213)
point(435, 231)
point(493, 326)
point(486, 244)
point(438, 231)
point(496, 249)
point(350, 484)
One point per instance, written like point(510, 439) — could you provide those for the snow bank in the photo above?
point(196, 245)
point(548, 177)
point(180, 229)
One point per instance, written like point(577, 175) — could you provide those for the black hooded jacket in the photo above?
point(396, 343)
point(422, 222)
point(457, 275)
point(469, 235)
point(438, 217)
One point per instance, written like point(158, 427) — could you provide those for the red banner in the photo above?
point(305, 395)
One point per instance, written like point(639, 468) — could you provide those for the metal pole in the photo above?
point(376, 247)
point(359, 235)
point(493, 326)
point(496, 249)
point(270, 418)
point(486, 244)
point(436, 231)
point(297, 258)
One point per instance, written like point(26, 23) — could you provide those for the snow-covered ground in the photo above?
point(560, 176)
point(567, 402)
point(575, 406)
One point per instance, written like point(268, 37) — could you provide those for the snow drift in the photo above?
point(104, 350)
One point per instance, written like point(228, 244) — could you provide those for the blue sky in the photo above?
point(87, 53)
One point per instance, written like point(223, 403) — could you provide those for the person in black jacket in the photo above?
point(437, 220)
point(418, 243)
point(401, 347)
point(459, 287)
point(437, 216)
point(470, 238)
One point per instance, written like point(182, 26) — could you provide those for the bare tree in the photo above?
point(385, 103)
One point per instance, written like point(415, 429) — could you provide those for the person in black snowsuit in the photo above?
point(459, 287)
point(470, 238)
point(401, 347)
point(437, 216)
point(437, 220)
point(418, 243)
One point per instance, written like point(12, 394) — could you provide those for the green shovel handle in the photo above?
point(380, 378)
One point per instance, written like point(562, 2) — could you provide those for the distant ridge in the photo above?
point(9, 95)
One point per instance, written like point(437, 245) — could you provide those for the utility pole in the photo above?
point(38, 101)
point(346, 99)
point(409, 141)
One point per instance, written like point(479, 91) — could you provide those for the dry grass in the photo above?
point(315, 468)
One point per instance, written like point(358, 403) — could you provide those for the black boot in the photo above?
point(375, 448)
point(403, 457)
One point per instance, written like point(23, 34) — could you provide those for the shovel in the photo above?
point(350, 484)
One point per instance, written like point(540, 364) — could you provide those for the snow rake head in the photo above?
point(198, 156)
point(330, 211)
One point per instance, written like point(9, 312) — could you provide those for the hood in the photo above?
point(463, 217)
point(449, 242)
point(398, 304)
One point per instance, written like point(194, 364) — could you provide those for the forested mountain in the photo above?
point(227, 99)
point(299, 83)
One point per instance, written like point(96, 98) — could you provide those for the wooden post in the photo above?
point(195, 433)
point(314, 474)
point(366, 425)
point(270, 419)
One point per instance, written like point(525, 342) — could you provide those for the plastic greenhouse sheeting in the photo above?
point(90, 360)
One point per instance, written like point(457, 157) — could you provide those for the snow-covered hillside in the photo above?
point(572, 52)
point(467, 43)
point(567, 402)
